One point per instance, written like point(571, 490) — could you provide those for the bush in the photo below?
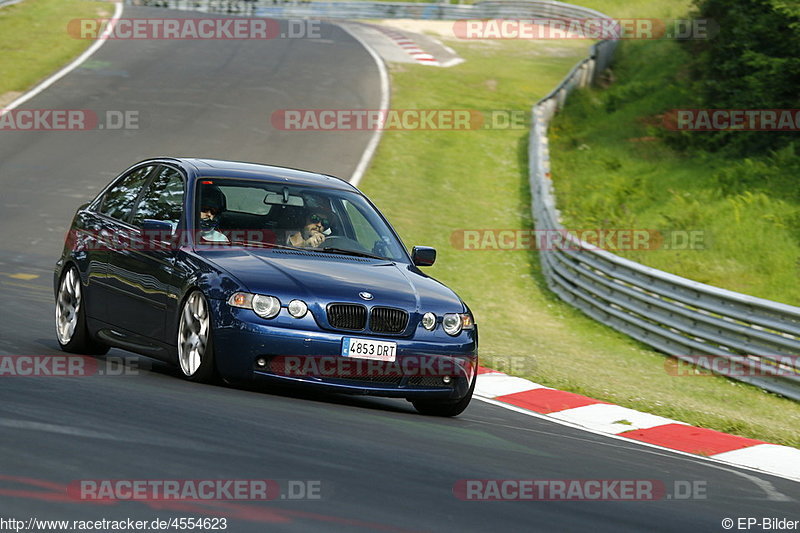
point(752, 63)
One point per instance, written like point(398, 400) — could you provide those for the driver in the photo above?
point(312, 234)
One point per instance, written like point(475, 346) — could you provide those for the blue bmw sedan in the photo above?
point(244, 271)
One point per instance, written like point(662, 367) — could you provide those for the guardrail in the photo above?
point(4, 3)
point(758, 339)
point(675, 315)
point(380, 10)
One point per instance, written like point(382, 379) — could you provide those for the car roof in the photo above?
point(238, 169)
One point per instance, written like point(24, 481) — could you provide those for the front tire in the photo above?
point(195, 346)
point(71, 331)
point(431, 408)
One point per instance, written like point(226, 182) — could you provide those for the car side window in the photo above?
point(163, 199)
point(119, 200)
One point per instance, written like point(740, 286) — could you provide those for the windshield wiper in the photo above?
point(345, 251)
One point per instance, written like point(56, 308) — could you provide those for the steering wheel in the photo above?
point(337, 241)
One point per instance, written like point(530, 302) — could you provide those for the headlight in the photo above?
point(264, 306)
point(298, 308)
point(453, 323)
point(429, 321)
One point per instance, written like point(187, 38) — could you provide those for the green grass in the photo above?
point(432, 183)
point(613, 168)
point(663, 9)
point(614, 8)
point(34, 41)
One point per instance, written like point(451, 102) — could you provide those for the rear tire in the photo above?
point(432, 408)
point(71, 331)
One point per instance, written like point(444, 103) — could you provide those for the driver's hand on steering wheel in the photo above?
point(315, 239)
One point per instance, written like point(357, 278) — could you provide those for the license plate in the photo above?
point(369, 349)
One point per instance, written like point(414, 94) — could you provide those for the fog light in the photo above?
point(298, 308)
point(261, 362)
point(446, 379)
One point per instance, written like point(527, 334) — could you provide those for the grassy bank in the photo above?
point(34, 41)
point(432, 183)
point(613, 168)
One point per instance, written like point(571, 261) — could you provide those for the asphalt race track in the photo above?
point(376, 464)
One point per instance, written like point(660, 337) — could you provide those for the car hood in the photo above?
point(324, 278)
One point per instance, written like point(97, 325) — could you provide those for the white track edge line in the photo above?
point(372, 145)
point(69, 68)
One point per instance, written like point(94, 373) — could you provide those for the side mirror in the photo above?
point(156, 226)
point(157, 231)
point(423, 255)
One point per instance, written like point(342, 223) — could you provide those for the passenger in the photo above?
point(209, 222)
point(212, 203)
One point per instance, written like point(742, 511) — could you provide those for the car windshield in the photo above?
point(259, 214)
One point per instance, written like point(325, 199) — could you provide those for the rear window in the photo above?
point(245, 199)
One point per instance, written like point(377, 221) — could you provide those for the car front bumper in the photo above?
point(247, 347)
